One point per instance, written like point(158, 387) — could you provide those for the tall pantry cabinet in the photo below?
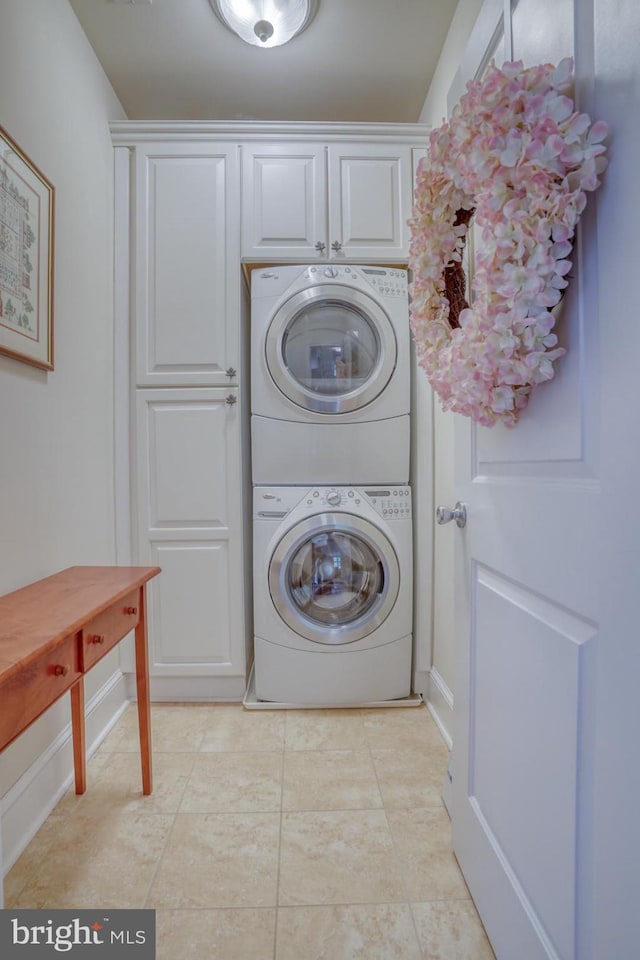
point(186, 412)
point(197, 206)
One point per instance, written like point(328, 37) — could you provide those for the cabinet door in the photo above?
point(189, 506)
point(187, 273)
point(370, 196)
point(284, 203)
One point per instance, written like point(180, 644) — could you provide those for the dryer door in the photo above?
point(331, 349)
point(334, 578)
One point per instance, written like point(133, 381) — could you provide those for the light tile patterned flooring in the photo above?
point(270, 835)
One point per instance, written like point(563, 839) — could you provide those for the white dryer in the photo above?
point(330, 373)
point(332, 594)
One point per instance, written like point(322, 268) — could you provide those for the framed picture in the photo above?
point(26, 258)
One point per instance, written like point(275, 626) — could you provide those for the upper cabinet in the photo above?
point(187, 286)
point(370, 195)
point(284, 201)
point(314, 201)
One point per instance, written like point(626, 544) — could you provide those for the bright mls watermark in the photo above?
point(34, 934)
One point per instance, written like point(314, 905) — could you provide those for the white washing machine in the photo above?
point(332, 594)
point(330, 373)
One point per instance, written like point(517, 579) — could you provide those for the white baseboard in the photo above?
point(439, 700)
point(440, 703)
point(28, 803)
point(186, 689)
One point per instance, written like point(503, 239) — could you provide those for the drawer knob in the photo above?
point(96, 638)
point(61, 670)
point(131, 610)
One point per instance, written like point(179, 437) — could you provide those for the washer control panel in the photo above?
point(323, 498)
point(393, 502)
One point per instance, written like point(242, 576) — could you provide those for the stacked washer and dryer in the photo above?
point(332, 528)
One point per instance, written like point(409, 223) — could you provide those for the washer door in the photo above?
point(331, 349)
point(334, 578)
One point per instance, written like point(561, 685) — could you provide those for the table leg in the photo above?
point(142, 687)
point(78, 734)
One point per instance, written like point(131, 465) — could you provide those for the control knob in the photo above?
point(331, 272)
point(333, 498)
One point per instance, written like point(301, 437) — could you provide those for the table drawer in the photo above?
point(34, 688)
point(108, 628)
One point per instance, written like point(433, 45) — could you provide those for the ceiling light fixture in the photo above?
point(265, 23)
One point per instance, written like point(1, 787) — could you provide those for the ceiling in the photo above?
point(359, 60)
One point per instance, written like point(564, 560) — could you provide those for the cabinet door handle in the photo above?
point(61, 670)
point(131, 610)
point(320, 246)
point(336, 245)
point(96, 638)
point(231, 399)
point(231, 373)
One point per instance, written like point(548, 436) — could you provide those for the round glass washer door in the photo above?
point(334, 578)
point(331, 349)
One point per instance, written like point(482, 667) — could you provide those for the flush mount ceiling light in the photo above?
point(265, 23)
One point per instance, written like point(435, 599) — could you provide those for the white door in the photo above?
point(284, 201)
point(545, 760)
point(186, 264)
point(370, 194)
point(189, 522)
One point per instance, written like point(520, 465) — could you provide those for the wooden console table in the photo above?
point(53, 631)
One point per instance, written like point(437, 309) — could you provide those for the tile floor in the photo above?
point(270, 835)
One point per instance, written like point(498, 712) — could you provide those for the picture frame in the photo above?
point(27, 200)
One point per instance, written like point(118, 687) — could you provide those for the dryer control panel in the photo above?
point(394, 503)
point(387, 282)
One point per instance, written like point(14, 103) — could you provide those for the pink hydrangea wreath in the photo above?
point(519, 159)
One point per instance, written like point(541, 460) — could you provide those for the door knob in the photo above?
point(446, 514)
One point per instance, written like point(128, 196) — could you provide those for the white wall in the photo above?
point(56, 428)
point(434, 109)
point(440, 426)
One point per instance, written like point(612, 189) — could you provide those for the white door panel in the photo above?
point(541, 31)
point(189, 506)
point(284, 206)
point(191, 616)
point(528, 562)
point(187, 289)
point(370, 190)
point(555, 444)
point(525, 687)
point(187, 438)
point(545, 609)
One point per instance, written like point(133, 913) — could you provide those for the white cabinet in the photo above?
point(370, 195)
point(186, 277)
point(284, 201)
point(189, 522)
point(183, 275)
point(307, 201)
point(307, 192)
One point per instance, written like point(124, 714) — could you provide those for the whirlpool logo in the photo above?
point(46, 933)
